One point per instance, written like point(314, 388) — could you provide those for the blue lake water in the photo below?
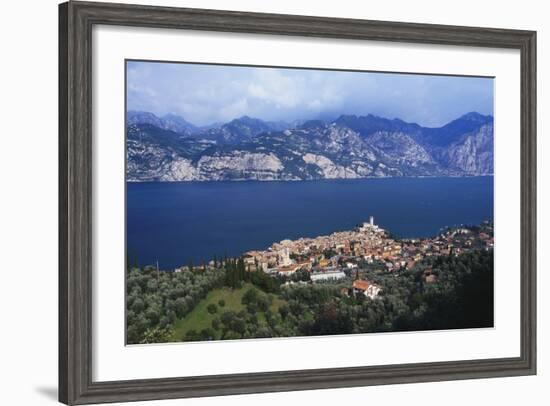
point(178, 222)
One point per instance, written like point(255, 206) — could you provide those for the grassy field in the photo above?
point(200, 318)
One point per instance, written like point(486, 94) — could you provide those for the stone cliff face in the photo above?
point(473, 155)
point(349, 147)
point(240, 165)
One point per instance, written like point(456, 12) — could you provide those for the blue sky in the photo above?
point(204, 94)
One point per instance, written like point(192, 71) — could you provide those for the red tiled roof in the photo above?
point(361, 285)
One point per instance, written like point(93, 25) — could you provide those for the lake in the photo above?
point(177, 222)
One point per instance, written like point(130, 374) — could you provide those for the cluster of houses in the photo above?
point(323, 253)
point(333, 256)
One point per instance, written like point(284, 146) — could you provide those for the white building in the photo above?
point(372, 291)
point(284, 257)
point(370, 226)
point(328, 275)
point(366, 288)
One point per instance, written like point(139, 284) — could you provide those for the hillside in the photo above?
point(171, 149)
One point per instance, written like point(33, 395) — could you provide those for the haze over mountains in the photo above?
point(169, 148)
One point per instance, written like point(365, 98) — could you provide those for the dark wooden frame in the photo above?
point(76, 20)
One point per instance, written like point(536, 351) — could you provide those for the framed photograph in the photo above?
point(259, 202)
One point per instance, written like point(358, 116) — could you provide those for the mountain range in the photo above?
point(169, 148)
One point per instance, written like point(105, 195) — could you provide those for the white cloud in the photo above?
point(211, 93)
point(236, 109)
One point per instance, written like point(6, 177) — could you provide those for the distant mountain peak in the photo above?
point(137, 114)
point(177, 123)
point(247, 120)
point(174, 116)
point(143, 117)
point(346, 116)
point(170, 121)
point(369, 124)
point(312, 124)
point(475, 116)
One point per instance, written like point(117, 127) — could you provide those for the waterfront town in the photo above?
point(368, 247)
point(356, 281)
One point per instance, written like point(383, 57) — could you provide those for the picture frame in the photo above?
point(76, 352)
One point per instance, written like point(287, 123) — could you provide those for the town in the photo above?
point(369, 247)
point(356, 281)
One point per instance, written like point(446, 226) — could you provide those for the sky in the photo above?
point(205, 94)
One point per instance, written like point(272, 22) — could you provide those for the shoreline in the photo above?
point(307, 180)
point(364, 232)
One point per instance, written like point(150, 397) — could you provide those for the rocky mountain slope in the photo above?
point(171, 149)
point(170, 122)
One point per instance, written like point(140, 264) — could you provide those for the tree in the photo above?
point(212, 308)
point(207, 334)
point(232, 279)
point(181, 306)
point(192, 335)
point(250, 296)
point(215, 261)
point(300, 275)
point(239, 326)
point(138, 306)
point(216, 324)
point(241, 269)
point(331, 320)
point(156, 335)
point(284, 310)
point(263, 302)
point(153, 315)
